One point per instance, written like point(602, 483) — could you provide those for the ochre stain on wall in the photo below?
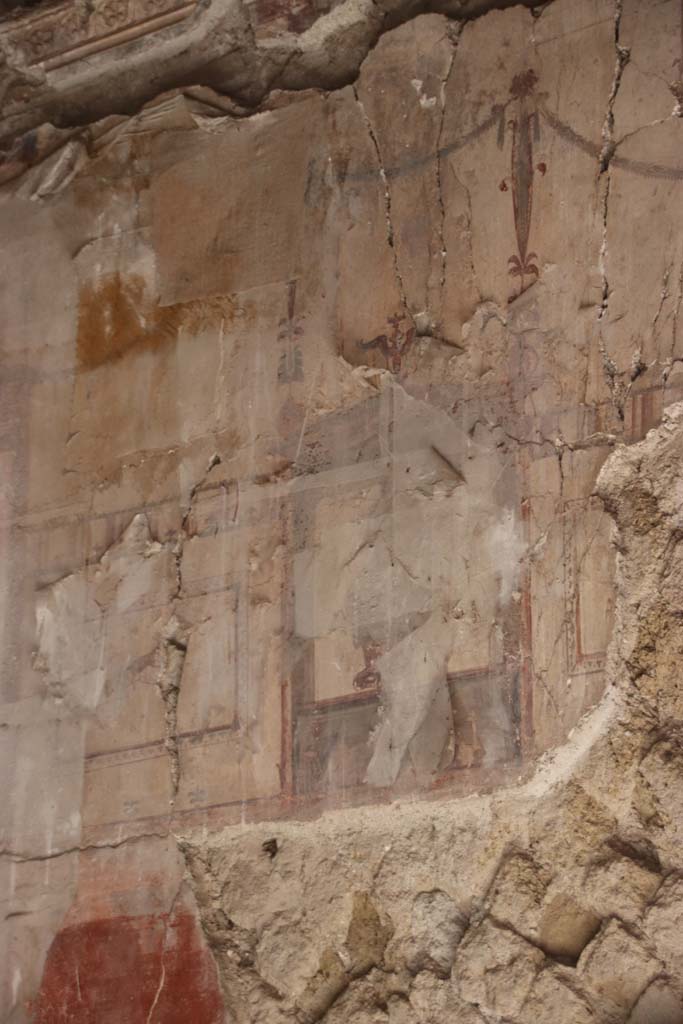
point(119, 313)
point(150, 968)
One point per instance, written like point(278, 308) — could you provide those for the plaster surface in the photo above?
point(339, 514)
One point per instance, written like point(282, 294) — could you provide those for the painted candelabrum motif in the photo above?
point(291, 362)
point(524, 127)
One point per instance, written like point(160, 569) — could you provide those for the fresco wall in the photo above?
point(301, 414)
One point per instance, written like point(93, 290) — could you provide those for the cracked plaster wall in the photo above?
point(339, 591)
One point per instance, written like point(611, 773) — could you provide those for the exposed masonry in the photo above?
point(559, 900)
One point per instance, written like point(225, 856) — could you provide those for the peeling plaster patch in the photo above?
point(508, 549)
point(71, 626)
point(415, 676)
point(426, 102)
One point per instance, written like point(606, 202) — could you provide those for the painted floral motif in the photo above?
point(55, 37)
point(40, 41)
point(114, 12)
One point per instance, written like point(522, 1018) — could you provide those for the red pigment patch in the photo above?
point(111, 971)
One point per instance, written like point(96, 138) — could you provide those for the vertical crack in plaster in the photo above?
point(676, 87)
point(158, 992)
point(214, 461)
point(454, 38)
point(183, 533)
point(621, 60)
point(173, 649)
point(178, 565)
point(676, 314)
point(162, 974)
point(172, 656)
point(638, 364)
point(663, 296)
point(605, 181)
point(391, 238)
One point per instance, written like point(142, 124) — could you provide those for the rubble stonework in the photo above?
point(341, 419)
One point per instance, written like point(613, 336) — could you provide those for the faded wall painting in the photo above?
point(318, 524)
point(406, 614)
point(301, 414)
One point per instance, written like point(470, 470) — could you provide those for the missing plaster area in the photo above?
point(172, 654)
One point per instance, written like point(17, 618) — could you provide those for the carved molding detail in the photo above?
point(63, 34)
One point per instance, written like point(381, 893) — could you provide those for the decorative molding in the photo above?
point(60, 35)
point(580, 660)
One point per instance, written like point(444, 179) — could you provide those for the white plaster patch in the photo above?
point(426, 102)
point(507, 548)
